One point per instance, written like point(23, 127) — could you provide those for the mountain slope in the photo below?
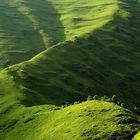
point(95, 53)
point(80, 18)
point(26, 28)
point(102, 63)
point(37, 30)
point(88, 120)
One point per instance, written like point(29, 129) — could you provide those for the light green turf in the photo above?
point(88, 120)
point(105, 62)
point(82, 17)
point(137, 137)
point(27, 28)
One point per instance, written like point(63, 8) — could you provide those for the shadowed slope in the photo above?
point(102, 63)
point(44, 18)
point(18, 39)
point(26, 31)
point(27, 27)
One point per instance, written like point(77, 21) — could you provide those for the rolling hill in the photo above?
point(56, 52)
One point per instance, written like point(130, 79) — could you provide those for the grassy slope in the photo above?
point(87, 120)
point(80, 18)
point(137, 137)
point(35, 29)
point(93, 64)
point(105, 62)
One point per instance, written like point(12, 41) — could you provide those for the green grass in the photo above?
point(82, 17)
point(137, 137)
point(36, 30)
point(26, 28)
point(92, 49)
point(87, 120)
point(90, 120)
point(102, 63)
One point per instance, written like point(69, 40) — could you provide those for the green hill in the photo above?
point(103, 62)
point(56, 52)
point(88, 120)
point(27, 27)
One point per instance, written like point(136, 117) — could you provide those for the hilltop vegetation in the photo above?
point(88, 120)
point(56, 52)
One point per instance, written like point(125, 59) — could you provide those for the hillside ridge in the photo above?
point(94, 55)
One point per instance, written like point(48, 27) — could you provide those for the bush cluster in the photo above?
point(115, 100)
point(112, 99)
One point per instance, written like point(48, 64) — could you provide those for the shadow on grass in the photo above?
point(114, 72)
point(48, 20)
point(18, 39)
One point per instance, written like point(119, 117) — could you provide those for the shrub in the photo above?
point(76, 102)
point(105, 98)
point(95, 97)
point(89, 98)
point(114, 99)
